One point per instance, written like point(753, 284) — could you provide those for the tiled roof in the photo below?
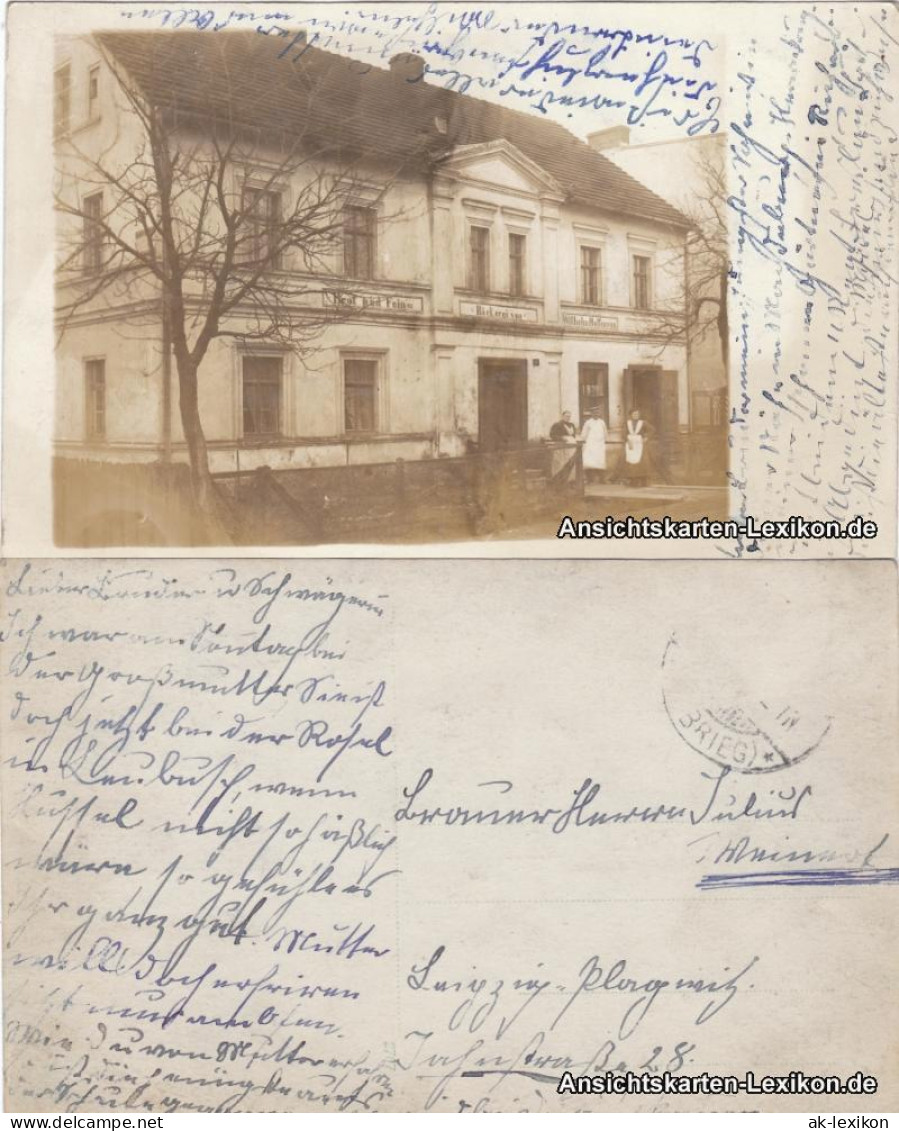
point(359, 109)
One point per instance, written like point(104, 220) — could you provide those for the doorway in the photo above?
point(653, 393)
point(593, 389)
point(502, 403)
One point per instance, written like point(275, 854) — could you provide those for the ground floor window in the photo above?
point(95, 398)
point(261, 396)
point(360, 394)
point(709, 408)
point(593, 388)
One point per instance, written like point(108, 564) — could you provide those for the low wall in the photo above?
point(123, 504)
point(403, 500)
point(149, 504)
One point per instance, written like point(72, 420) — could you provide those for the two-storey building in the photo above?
point(492, 270)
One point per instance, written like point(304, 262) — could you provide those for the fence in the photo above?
point(403, 500)
point(98, 504)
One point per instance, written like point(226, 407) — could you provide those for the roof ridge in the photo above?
point(588, 177)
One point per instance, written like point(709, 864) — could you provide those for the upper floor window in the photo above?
point(92, 235)
point(517, 264)
point(591, 276)
point(479, 262)
point(261, 396)
point(360, 394)
point(62, 99)
point(359, 242)
point(93, 93)
point(262, 209)
point(642, 282)
point(95, 399)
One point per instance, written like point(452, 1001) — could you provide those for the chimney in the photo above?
point(612, 138)
point(408, 66)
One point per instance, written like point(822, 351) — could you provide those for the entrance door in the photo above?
point(502, 403)
point(653, 393)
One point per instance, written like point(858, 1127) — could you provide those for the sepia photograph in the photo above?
point(431, 280)
point(304, 296)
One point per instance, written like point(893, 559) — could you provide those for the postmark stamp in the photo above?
point(716, 714)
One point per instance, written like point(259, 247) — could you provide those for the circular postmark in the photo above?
point(708, 702)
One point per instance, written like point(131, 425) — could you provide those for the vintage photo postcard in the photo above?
point(464, 836)
point(433, 279)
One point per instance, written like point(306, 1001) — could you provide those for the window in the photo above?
point(261, 396)
point(479, 273)
point(360, 394)
point(92, 233)
point(95, 399)
point(709, 409)
point(62, 100)
point(359, 242)
point(591, 276)
point(642, 289)
point(517, 268)
point(593, 388)
point(262, 208)
point(93, 93)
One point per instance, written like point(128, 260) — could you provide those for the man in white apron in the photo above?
point(593, 437)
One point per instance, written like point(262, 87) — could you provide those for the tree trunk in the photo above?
point(208, 500)
point(723, 331)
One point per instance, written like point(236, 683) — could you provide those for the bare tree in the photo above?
point(708, 255)
point(698, 304)
point(226, 227)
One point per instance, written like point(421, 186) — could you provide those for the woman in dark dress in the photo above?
point(563, 429)
point(636, 466)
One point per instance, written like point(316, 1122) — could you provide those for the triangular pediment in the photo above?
point(500, 164)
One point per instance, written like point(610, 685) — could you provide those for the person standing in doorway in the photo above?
point(593, 436)
point(636, 456)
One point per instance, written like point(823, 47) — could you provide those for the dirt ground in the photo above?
point(618, 502)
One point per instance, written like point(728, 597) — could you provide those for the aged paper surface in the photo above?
point(424, 836)
point(420, 279)
point(359, 314)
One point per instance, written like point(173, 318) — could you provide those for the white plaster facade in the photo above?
point(677, 168)
point(430, 333)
